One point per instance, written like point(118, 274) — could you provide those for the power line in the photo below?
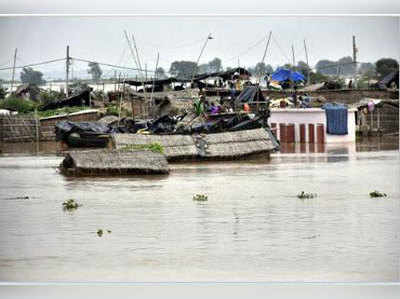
point(111, 65)
point(282, 52)
point(33, 64)
point(248, 49)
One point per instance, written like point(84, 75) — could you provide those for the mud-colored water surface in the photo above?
point(252, 228)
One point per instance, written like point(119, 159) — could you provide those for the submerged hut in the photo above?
point(100, 162)
point(175, 147)
point(377, 117)
point(217, 146)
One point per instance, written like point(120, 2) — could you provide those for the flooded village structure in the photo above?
point(124, 171)
point(184, 115)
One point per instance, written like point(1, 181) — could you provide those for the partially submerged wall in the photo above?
point(281, 118)
point(25, 128)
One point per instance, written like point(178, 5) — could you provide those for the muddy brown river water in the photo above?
point(252, 228)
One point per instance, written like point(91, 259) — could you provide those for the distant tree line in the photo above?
point(185, 69)
point(342, 67)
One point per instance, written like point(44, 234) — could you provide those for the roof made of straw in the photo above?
point(126, 161)
point(227, 144)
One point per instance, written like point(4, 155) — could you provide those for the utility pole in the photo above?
point(355, 50)
point(198, 59)
point(67, 62)
point(140, 65)
point(154, 78)
point(294, 61)
point(13, 72)
point(266, 48)
point(309, 69)
point(265, 53)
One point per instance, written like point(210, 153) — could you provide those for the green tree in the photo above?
point(95, 71)
point(385, 66)
point(326, 67)
point(203, 68)
point(303, 68)
point(183, 69)
point(29, 75)
point(215, 65)
point(260, 69)
point(347, 67)
point(160, 73)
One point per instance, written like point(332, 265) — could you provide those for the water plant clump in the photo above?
point(305, 195)
point(154, 147)
point(70, 204)
point(377, 194)
point(100, 232)
point(200, 197)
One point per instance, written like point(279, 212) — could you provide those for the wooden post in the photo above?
point(302, 133)
point(37, 131)
point(372, 122)
point(290, 133)
point(13, 72)
point(309, 70)
point(311, 133)
point(320, 134)
point(67, 72)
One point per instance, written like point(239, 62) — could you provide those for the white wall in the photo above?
point(312, 116)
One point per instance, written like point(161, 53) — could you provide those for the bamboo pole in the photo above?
point(37, 131)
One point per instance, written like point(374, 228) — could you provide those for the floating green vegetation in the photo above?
point(200, 197)
point(100, 232)
point(154, 147)
point(70, 205)
point(377, 194)
point(305, 195)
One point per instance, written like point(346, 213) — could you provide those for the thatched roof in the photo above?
point(175, 146)
point(114, 162)
point(237, 144)
point(206, 146)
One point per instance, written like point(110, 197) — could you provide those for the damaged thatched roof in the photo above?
point(175, 146)
point(207, 146)
point(114, 162)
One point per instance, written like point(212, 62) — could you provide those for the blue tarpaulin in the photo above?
point(284, 75)
point(336, 119)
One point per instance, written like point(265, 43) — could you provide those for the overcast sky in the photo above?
point(181, 38)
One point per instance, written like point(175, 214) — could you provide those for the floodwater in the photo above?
point(252, 228)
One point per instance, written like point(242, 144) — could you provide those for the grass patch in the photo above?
point(305, 195)
point(154, 147)
point(70, 205)
point(377, 194)
point(21, 105)
point(200, 197)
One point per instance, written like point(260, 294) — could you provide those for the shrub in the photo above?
point(18, 104)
